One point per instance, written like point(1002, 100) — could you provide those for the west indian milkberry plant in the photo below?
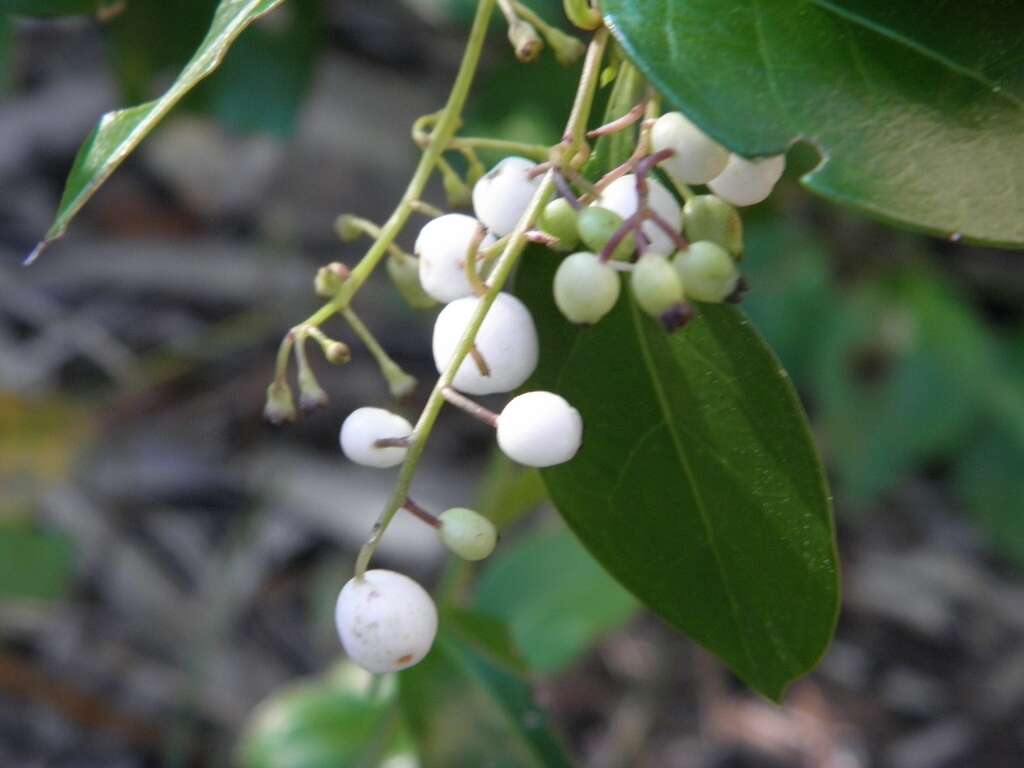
point(595, 286)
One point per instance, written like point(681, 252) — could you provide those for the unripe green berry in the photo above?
point(468, 534)
point(709, 217)
point(656, 284)
point(405, 274)
point(708, 271)
point(596, 226)
point(585, 288)
point(559, 219)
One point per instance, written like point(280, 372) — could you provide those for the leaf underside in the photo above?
point(119, 133)
point(917, 109)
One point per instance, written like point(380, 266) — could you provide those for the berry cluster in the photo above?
point(630, 222)
point(485, 341)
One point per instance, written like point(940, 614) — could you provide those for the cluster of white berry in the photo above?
point(386, 621)
point(630, 223)
point(634, 224)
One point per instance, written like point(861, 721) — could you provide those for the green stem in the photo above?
point(529, 151)
point(440, 138)
point(398, 380)
point(576, 126)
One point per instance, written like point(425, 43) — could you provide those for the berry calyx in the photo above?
point(364, 427)
point(708, 271)
point(656, 284)
point(746, 182)
point(585, 288)
point(441, 248)
point(539, 429)
point(709, 217)
point(386, 621)
point(597, 224)
point(502, 195)
point(506, 343)
point(559, 218)
point(467, 533)
point(698, 158)
point(621, 197)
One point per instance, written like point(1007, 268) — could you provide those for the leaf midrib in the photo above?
point(872, 26)
point(663, 403)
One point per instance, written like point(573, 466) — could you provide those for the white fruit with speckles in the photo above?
point(364, 427)
point(441, 248)
point(507, 344)
point(621, 197)
point(746, 182)
point(386, 621)
point(698, 158)
point(539, 429)
point(502, 195)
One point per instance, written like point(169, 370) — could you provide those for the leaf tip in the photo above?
point(35, 254)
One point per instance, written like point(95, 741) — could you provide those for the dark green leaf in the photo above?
point(697, 486)
point(917, 110)
point(6, 45)
point(33, 564)
point(119, 133)
point(346, 719)
point(466, 708)
point(556, 600)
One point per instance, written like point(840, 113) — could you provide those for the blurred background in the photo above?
point(168, 560)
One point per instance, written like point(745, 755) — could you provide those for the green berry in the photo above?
point(708, 271)
point(597, 225)
point(656, 284)
point(585, 288)
point(559, 219)
point(709, 217)
point(405, 274)
point(468, 534)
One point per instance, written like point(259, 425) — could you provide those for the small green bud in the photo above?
point(400, 383)
point(708, 272)
point(559, 219)
point(656, 284)
point(567, 49)
point(455, 189)
point(329, 279)
point(468, 534)
point(526, 42)
point(312, 396)
point(585, 288)
point(347, 228)
point(405, 274)
point(280, 406)
point(596, 226)
point(709, 217)
point(337, 353)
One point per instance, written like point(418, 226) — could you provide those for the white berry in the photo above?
point(585, 288)
point(502, 195)
point(621, 197)
point(506, 342)
point(386, 621)
point(746, 182)
point(442, 246)
point(539, 429)
point(364, 427)
point(698, 158)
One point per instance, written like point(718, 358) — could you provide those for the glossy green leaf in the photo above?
point(555, 598)
point(34, 564)
point(345, 719)
point(918, 110)
point(119, 133)
point(466, 707)
point(697, 485)
point(6, 46)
